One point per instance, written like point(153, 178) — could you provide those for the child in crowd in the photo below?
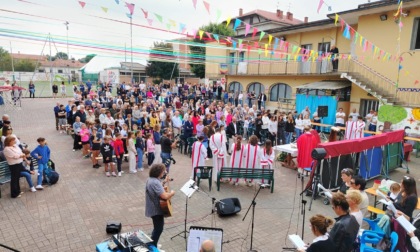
point(62, 120)
point(132, 152)
point(119, 151)
point(29, 169)
point(246, 127)
point(267, 158)
point(394, 190)
point(84, 137)
point(95, 138)
point(42, 153)
point(140, 150)
point(106, 151)
point(150, 149)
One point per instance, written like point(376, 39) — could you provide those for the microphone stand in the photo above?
point(253, 203)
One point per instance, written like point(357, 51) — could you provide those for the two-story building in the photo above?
point(299, 70)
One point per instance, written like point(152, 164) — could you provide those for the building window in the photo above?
point(280, 91)
point(241, 56)
point(41, 70)
point(234, 87)
point(60, 71)
point(232, 58)
point(73, 72)
point(251, 20)
point(257, 88)
point(415, 39)
point(307, 47)
point(324, 47)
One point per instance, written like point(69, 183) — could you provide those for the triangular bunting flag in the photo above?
point(346, 32)
point(237, 23)
point(336, 19)
point(128, 15)
point(262, 35)
point(254, 32)
point(117, 1)
point(208, 35)
point(234, 44)
point(82, 4)
point(168, 26)
point(228, 21)
point(194, 33)
point(294, 48)
point(342, 24)
point(130, 7)
point(159, 17)
point(249, 49)
point(195, 4)
point(216, 37)
point(150, 21)
point(207, 5)
point(266, 51)
point(321, 2)
point(146, 13)
point(270, 38)
point(181, 27)
point(105, 9)
point(256, 45)
point(416, 82)
point(173, 23)
point(247, 27)
point(281, 43)
point(201, 33)
point(276, 41)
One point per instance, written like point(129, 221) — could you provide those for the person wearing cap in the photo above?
point(218, 148)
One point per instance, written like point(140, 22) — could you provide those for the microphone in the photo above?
point(263, 186)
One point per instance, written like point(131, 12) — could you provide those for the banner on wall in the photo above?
point(223, 68)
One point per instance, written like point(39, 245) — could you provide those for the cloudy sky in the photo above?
point(25, 24)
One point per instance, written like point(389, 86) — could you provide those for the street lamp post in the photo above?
point(68, 52)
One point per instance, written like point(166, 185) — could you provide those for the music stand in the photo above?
point(188, 189)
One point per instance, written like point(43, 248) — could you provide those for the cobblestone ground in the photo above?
point(71, 215)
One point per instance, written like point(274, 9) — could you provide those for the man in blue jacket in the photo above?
point(42, 154)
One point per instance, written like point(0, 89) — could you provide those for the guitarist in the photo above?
point(154, 192)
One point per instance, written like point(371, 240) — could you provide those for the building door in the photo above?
point(367, 105)
point(232, 63)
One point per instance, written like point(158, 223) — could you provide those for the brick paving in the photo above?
point(72, 214)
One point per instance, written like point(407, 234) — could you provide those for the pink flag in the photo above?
point(247, 27)
point(208, 35)
point(194, 32)
point(150, 21)
point(401, 24)
point(130, 7)
point(321, 2)
point(416, 82)
point(195, 4)
point(254, 32)
point(82, 4)
point(146, 13)
point(207, 5)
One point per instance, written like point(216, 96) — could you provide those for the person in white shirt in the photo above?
point(265, 121)
point(240, 97)
point(272, 129)
point(199, 154)
point(306, 112)
point(176, 123)
point(306, 121)
point(368, 118)
point(339, 118)
point(354, 115)
point(354, 198)
point(299, 126)
point(373, 122)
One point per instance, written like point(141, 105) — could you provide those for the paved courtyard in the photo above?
point(71, 215)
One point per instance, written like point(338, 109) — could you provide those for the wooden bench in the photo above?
point(4, 174)
point(245, 173)
point(374, 211)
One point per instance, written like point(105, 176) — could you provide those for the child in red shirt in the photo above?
point(119, 151)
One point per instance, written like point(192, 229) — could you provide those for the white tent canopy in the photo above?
point(100, 63)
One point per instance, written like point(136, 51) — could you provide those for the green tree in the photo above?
point(162, 62)
point(61, 55)
point(24, 65)
point(199, 52)
point(87, 58)
point(5, 60)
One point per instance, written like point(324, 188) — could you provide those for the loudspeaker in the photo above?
point(323, 111)
point(318, 153)
point(113, 227)
point(230, 206)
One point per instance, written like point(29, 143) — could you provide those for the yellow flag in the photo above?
point(295, 58)
point(336, 19)
point(266, 51)
point(349, 57)
point(298, 51)
point(269, 39)
point(361, 40)
point(228, 21)
point(201, 33)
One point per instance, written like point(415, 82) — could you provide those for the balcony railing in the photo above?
point(286, 67)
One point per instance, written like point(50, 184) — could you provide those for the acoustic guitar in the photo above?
point(166, 205)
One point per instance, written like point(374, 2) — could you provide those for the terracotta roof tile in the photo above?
point(272, 16)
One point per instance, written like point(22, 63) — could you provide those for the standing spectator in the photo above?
point(334, 58)
point(95, 139)
point(54, 90)
point(317, 119)
point(84, 137)
point(373, 122)
point(299, 126)
point(42, 153)
point(339, 118)
point(262, 98)
point(258, 125)
point(14, 157)
point(31, 88)
point(154, 193)
point(62, 121)
point(354, 115)
point(119, 151)
point(89, 85)
point(167, 146)
point(140, 150)
point(176, 123)
point(81, 113)
point(281, 133)
point(272, 129)
point(77, 126)
point(346, 228)
point(56, 109)
point(306, 112)
point(63, 90)
point(369, 118)
point(150, 149)
point(106, 151)
point(199, 154)
point(132, 152)
point(289, 128)
point(157, 141)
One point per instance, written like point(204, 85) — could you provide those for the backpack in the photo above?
point(50, 176)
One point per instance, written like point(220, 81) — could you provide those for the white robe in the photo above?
point(237, 158)
point(252, 157)
point(218, 147)
point(199, 155)
point(354, 130)
point(266, 161)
